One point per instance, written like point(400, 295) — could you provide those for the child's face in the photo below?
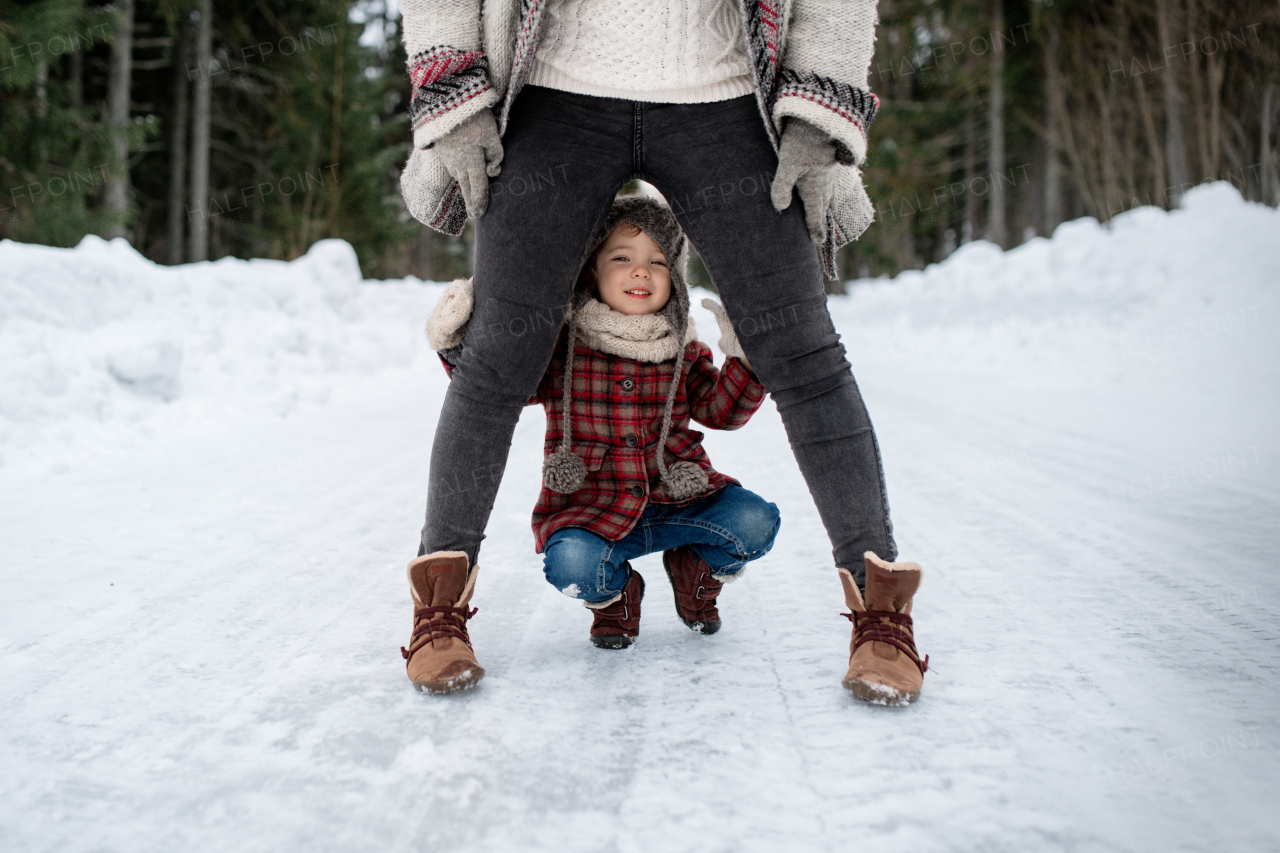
point(632, 272)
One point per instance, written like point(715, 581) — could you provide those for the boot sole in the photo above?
point(612, 641)
point(463, 681)
point(879, 694)
point(694, 625)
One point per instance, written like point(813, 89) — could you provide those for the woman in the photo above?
point(529, 119)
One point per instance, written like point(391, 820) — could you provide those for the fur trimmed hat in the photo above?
point(563, 471)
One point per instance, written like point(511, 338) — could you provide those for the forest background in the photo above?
point(255, 128)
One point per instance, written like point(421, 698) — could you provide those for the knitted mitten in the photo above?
point(806, 162)
point(448, 321)
point(728, 337)
point(465, 150)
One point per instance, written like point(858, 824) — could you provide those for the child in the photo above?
point(623, 474)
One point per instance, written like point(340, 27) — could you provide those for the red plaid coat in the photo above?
point(617, 418)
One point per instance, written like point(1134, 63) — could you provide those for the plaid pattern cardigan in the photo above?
point(617, 417)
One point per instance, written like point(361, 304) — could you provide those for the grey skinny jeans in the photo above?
point(565, 157)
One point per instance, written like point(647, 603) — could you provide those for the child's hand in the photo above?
point(448, 320)
point(728, 337)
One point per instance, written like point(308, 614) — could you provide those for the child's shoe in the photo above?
point(440, 658)
point(616, 623)
point(694, 587)
point(884, 666)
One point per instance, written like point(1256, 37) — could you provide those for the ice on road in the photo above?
point(212, 477)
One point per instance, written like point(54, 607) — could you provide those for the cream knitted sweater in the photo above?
point(667, 51)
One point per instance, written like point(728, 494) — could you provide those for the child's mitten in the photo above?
point(728, 337)
point(448, 321)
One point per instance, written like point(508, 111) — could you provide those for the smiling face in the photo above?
point(631, 272)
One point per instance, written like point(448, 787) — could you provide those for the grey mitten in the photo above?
point(728, 337)
point(448, 320)
point(808, 160)
point(472, 153)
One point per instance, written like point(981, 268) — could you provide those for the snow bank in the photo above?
point(99, 336)
point(1151, 293)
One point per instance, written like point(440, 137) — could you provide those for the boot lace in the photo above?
point(885, 626)
point(436, 623)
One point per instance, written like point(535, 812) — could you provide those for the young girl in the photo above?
point(623, 473)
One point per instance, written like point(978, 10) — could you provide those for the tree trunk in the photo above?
point(1196, 93)
point(119, 84)
point(77, 76)
point(1217, 68)
point(1174, 142)
point(42, 86)
point(335, 140)
point(1052, 203)
point(1268, 178)
point(178, 141)
point(1154, 149)
point(997, 231)
point(198, 249)
point(970, 225)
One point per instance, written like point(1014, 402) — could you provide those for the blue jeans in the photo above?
point(728, 530)
point(565, 156)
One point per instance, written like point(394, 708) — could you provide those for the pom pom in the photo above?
point(564, 473)
point(685, 480)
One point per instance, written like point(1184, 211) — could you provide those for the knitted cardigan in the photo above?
point(809, 60)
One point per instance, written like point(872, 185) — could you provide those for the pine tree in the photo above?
point(55, 153)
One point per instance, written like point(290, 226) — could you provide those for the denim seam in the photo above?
point(600, 569)
point(637, 141)
point(727, 534)
point(884, 503)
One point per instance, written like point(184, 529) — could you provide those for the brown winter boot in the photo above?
point(617, 623)
point(440, 659)
point(695, 589)
point(884, 667)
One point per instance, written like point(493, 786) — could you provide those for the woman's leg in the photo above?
point(565, 156)
point(715, 164)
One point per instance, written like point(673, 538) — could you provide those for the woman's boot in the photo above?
point(439, 657)
point(884, 666)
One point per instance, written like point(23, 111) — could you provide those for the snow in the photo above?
point(212, 476)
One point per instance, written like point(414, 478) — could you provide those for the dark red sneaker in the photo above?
point(616, 626)
point(695, 589)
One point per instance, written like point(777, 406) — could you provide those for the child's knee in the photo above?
point(572, 564)
point(758, 526)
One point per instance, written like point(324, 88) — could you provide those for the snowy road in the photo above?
point(205, 657)
point(200, 627)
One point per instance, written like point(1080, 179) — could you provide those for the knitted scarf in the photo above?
point(641, 337)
